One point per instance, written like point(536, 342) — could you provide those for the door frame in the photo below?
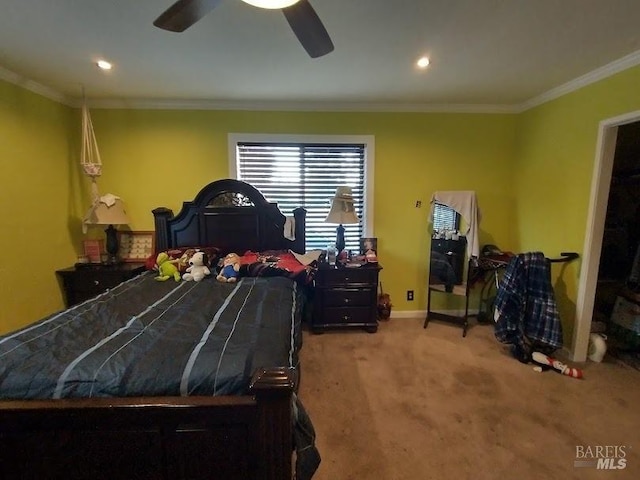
point(600, 185)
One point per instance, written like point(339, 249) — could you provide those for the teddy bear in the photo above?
point(166, 268)
point(230, 268)
point(197, 269)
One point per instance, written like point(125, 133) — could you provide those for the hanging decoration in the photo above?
point(106, 209)
point(90, 155)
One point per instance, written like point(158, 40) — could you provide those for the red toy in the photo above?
point(546, 361)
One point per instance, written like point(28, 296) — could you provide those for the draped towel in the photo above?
point(289, 228)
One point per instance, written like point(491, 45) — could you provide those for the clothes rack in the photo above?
point(525, 309)
point(564, 257)
point(487, 273)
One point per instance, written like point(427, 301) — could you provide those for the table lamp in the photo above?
point(342, 212)
point(108, 210)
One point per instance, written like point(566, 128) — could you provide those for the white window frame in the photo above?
point(369, 161)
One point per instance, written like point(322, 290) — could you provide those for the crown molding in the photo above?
point(155, 104)
point(34, 87)
point(624, 63)
point(617, 66)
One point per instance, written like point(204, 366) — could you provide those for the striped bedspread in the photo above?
point(150, 338)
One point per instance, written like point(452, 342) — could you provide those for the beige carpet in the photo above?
point(409, 403)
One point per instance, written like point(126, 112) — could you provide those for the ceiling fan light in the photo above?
point(271, 4)
point(423, 62)
point(104, 65)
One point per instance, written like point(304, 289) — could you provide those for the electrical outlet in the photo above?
point(418, 203)
point(410, 295)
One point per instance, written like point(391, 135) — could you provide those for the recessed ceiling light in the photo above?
point(423, 62)
point(104, 65)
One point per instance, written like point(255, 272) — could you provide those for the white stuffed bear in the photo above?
point(197, 269)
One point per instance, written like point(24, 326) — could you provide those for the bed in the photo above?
point(169, 380)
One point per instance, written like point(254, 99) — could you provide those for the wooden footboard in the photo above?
point(227, 437)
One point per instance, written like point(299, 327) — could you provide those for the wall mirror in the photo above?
point(451, 214)
point(447, 261)
point(447, 257)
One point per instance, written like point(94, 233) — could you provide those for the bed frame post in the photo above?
point(160, 217)
point(273, 390)
point(299, 215)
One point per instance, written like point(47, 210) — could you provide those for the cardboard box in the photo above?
point(624, 338)
point(626, 314)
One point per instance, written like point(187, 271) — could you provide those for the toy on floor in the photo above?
point(197, 269)
point(549, 362)
point(384, 305)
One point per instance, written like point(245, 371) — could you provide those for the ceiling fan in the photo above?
point(302, 18)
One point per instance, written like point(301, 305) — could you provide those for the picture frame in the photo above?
point(367, 244)
point(93, 250)
point(136, 246)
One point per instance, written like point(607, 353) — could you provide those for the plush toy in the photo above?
point(183, 261)
point(384, 305)
point(549, 362)
point(166, 268)
point(197, 269)
point(230, 268)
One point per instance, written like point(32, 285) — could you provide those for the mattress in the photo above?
point(151, 338)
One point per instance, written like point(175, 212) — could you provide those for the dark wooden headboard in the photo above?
point(229, 214)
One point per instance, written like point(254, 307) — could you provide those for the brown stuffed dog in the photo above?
point(384, 305)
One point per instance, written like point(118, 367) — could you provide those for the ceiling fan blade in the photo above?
point(308, 27)
point(184, 13)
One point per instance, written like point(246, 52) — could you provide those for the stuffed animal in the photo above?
point(197, 269)
point(384, 305)
point(230, 268)
point(166, 268)
point(183, 261)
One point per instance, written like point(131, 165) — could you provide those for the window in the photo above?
point(445, 218)
point(297, 171)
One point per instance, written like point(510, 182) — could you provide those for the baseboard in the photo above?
point(408, 313)
point(423, 313)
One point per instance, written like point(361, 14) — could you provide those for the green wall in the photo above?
point(154, 158)
point(37, 238)
point(532, 172)
point(553, 171)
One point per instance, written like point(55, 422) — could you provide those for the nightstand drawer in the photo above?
point(347, 276)
point(346, 297)
point(348, 316)
point(84, 282)
point(94, 282)
point(349, 297)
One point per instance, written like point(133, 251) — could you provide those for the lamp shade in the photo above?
point(342, 209)
point(107, 210)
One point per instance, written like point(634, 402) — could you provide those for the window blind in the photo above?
point(307, 175)
point(444, 218)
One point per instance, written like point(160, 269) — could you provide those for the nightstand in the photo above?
point(346, 297)
point(83, 282)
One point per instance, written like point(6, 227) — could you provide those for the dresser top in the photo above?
point(100, 267)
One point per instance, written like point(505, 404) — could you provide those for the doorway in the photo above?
point(600, 189)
